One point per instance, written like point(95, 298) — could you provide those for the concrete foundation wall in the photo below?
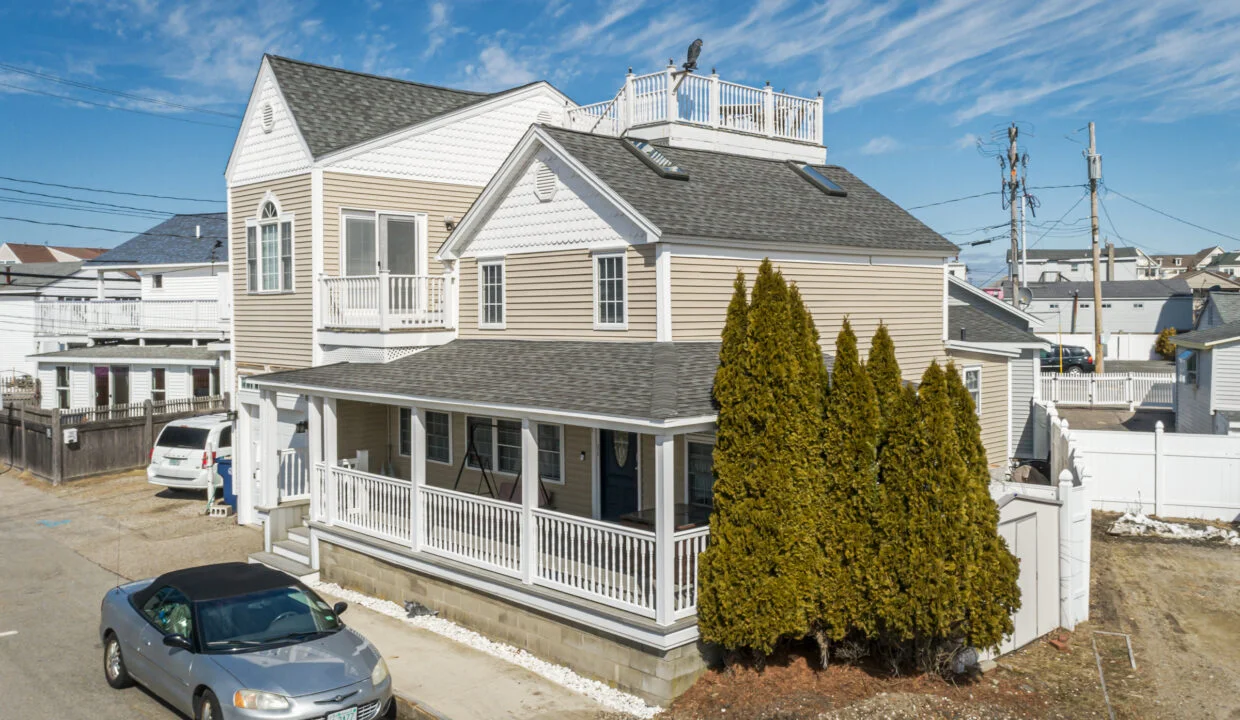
point(658, 677)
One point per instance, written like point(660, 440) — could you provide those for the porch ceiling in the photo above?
point(648, 381)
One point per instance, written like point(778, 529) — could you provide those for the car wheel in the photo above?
point(1074, 370)
point(208, 707)
point(114, 670)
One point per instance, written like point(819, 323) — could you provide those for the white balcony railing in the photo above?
point(702, 100)
point(384, 302)
point(85, 317)
point(1114, 389)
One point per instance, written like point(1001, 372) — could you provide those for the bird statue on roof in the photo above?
point(695, 49)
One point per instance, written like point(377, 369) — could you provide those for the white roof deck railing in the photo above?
point(705, 101)
point(85, 317)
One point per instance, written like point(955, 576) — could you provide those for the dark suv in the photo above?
point(1075, 360)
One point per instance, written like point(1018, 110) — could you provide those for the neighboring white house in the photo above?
point(1076, 264)
point(1207, 398)
point(103, 375)
point(1226, 264)
point(1134, 313)
point(25, 286)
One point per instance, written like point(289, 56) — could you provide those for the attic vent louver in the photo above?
point(655, 159)
point(546, 118)
point(545, 183)
point(268, 117)
point(822, 182)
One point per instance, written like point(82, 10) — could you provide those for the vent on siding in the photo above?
point(268, 117)
point(544, 182)
point(546, 118)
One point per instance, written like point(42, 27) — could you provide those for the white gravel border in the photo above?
point(1140, 525)
point(601, 693)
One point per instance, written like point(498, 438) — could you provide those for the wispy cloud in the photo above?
point(880, 145)
point(439, 29)
point(968, 141)
point(496, 69)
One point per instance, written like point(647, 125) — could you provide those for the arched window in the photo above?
point(269, 249)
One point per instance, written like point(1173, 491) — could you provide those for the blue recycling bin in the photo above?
point(223, 466)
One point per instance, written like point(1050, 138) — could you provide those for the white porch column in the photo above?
point(664, 526)
point(385, 305)
point(268, 454)
point(100, 290)
point(243, 471)
point(417, 475)
point(529, 500)
point(314, 431)
point(331, 455)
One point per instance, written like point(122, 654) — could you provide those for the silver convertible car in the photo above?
point(235, 641)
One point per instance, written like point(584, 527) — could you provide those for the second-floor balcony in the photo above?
point(385, 302)
point(107, 317)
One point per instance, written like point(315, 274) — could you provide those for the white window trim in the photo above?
point(212, 380)
point(977, 405)
point(560, 429)
point(698, 440)
point(67, 387)
point(503, 295)
point(257, 222)
point(594, 262)
point(378, 216)
point(164, 389)
point(493, 422)
point(449, 460)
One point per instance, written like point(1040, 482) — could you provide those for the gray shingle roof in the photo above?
point(980, 327)
point(1112, 290)
point(1227, 304)
point(639, 380)
point(13, 277)
point(1210, 336)
point(136, 352)
point(1228, 258)
point(1121, 253)
point(751, 199)
point(197, 238)
point(336, 108)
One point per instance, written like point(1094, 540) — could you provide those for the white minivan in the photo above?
point(185, 453)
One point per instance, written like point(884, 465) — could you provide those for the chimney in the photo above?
point(1110, 261)
point(197, 231)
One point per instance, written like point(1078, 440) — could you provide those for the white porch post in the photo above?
point(384, 304)
point(417, 475)
point(100, 289)
point(529, 500)
point(243, 471)
point(268, 454)
point(314, 419)
point(330, 454)
point(664, 526)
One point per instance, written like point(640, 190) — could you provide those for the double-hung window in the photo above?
point(1189, 360)
point(405, 443)
point(269, 251)
point(439, 437)
point(550, 453)
point(699, 467)
point(495, 444)
point(479, 443)
point(62, 387)
point(205, 381)
point(491, 294)
point(973, 383)
point(508, 445)
point(159, 384)
point(610, 291)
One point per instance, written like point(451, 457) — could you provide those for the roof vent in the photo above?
point(546, 118)
point(655, 159)
point(822, 182)
point(545, 183)
point(268, 117)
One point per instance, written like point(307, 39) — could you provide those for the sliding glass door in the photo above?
point(374, 242)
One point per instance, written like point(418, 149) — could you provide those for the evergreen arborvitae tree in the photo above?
point(990, 572)
point(884, 373)
point(757, 575)
point(848, 504)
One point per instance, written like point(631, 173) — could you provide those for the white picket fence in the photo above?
point(1148, 390)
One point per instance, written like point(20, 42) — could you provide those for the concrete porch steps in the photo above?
point(299, 570)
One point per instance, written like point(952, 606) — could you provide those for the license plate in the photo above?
point(346, 714)
point(174, 461)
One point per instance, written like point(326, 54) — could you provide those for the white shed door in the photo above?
point(1021, 536)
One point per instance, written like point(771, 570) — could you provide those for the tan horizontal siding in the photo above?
point(909, 300)
point(273, 329)
point(550, 295)
point(363, 192)
point(994, 410)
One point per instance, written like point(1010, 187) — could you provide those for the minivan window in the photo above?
point(226, 437)
point(177, 436)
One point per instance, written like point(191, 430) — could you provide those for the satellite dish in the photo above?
point(1024, 296)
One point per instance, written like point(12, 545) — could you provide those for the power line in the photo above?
point(7, 273)
point(1061, 218)
point(110, 192)
point(1169, 215)
point(103, 204)
point(117, 93)
point(113, 230)
point(114, 107)
point(987, 194)
point(66, 206)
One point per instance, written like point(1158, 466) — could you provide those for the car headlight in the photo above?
point(259, 700)
point(380, 673)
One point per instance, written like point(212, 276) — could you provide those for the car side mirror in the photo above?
point(178, 641)
point(340, 607)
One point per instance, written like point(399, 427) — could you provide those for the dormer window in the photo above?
point(1179, 261)
point(269, 250)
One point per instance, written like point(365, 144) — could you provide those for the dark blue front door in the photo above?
point(617, 473)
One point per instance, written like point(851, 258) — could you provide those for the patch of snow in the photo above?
point(1142, 526)
point(601, 693)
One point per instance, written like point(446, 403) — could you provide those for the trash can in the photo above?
point(223, 466)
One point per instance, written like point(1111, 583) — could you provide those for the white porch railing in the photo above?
point(374, 505)
point(596, 560)
point(688, 545)
point(702, 100)
point(83, 317)
point(294, 480)
point(384, 302)
point(1110, 389)
point(476, 530)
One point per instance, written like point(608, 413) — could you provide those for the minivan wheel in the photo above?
point(208, 707)
point(1074, 370)
point(114, 670)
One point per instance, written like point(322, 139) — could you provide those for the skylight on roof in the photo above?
point(822, 182)
point(654, 158)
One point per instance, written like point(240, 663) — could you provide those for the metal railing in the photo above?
point(1110, 389)
point(84, 317)
point(384, 302)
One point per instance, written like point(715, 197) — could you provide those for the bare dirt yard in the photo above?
point(1178, 601)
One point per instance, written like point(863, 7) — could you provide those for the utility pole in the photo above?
point(1024, 249)
point(1012, 187)
point(1094, 165)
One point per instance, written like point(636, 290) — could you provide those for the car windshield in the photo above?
point(179, 436)
point(282, 615)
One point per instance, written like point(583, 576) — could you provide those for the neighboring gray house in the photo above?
point(1134, 306)
point(1207, 366)
point(1226, 264)
point(1077, 264)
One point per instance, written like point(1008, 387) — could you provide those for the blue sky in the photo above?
point(910, 88)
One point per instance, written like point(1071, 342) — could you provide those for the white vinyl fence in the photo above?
point(1148, 390)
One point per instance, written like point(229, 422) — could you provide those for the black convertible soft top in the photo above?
point(212, 582)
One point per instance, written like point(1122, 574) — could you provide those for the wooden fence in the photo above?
point(108, 439)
